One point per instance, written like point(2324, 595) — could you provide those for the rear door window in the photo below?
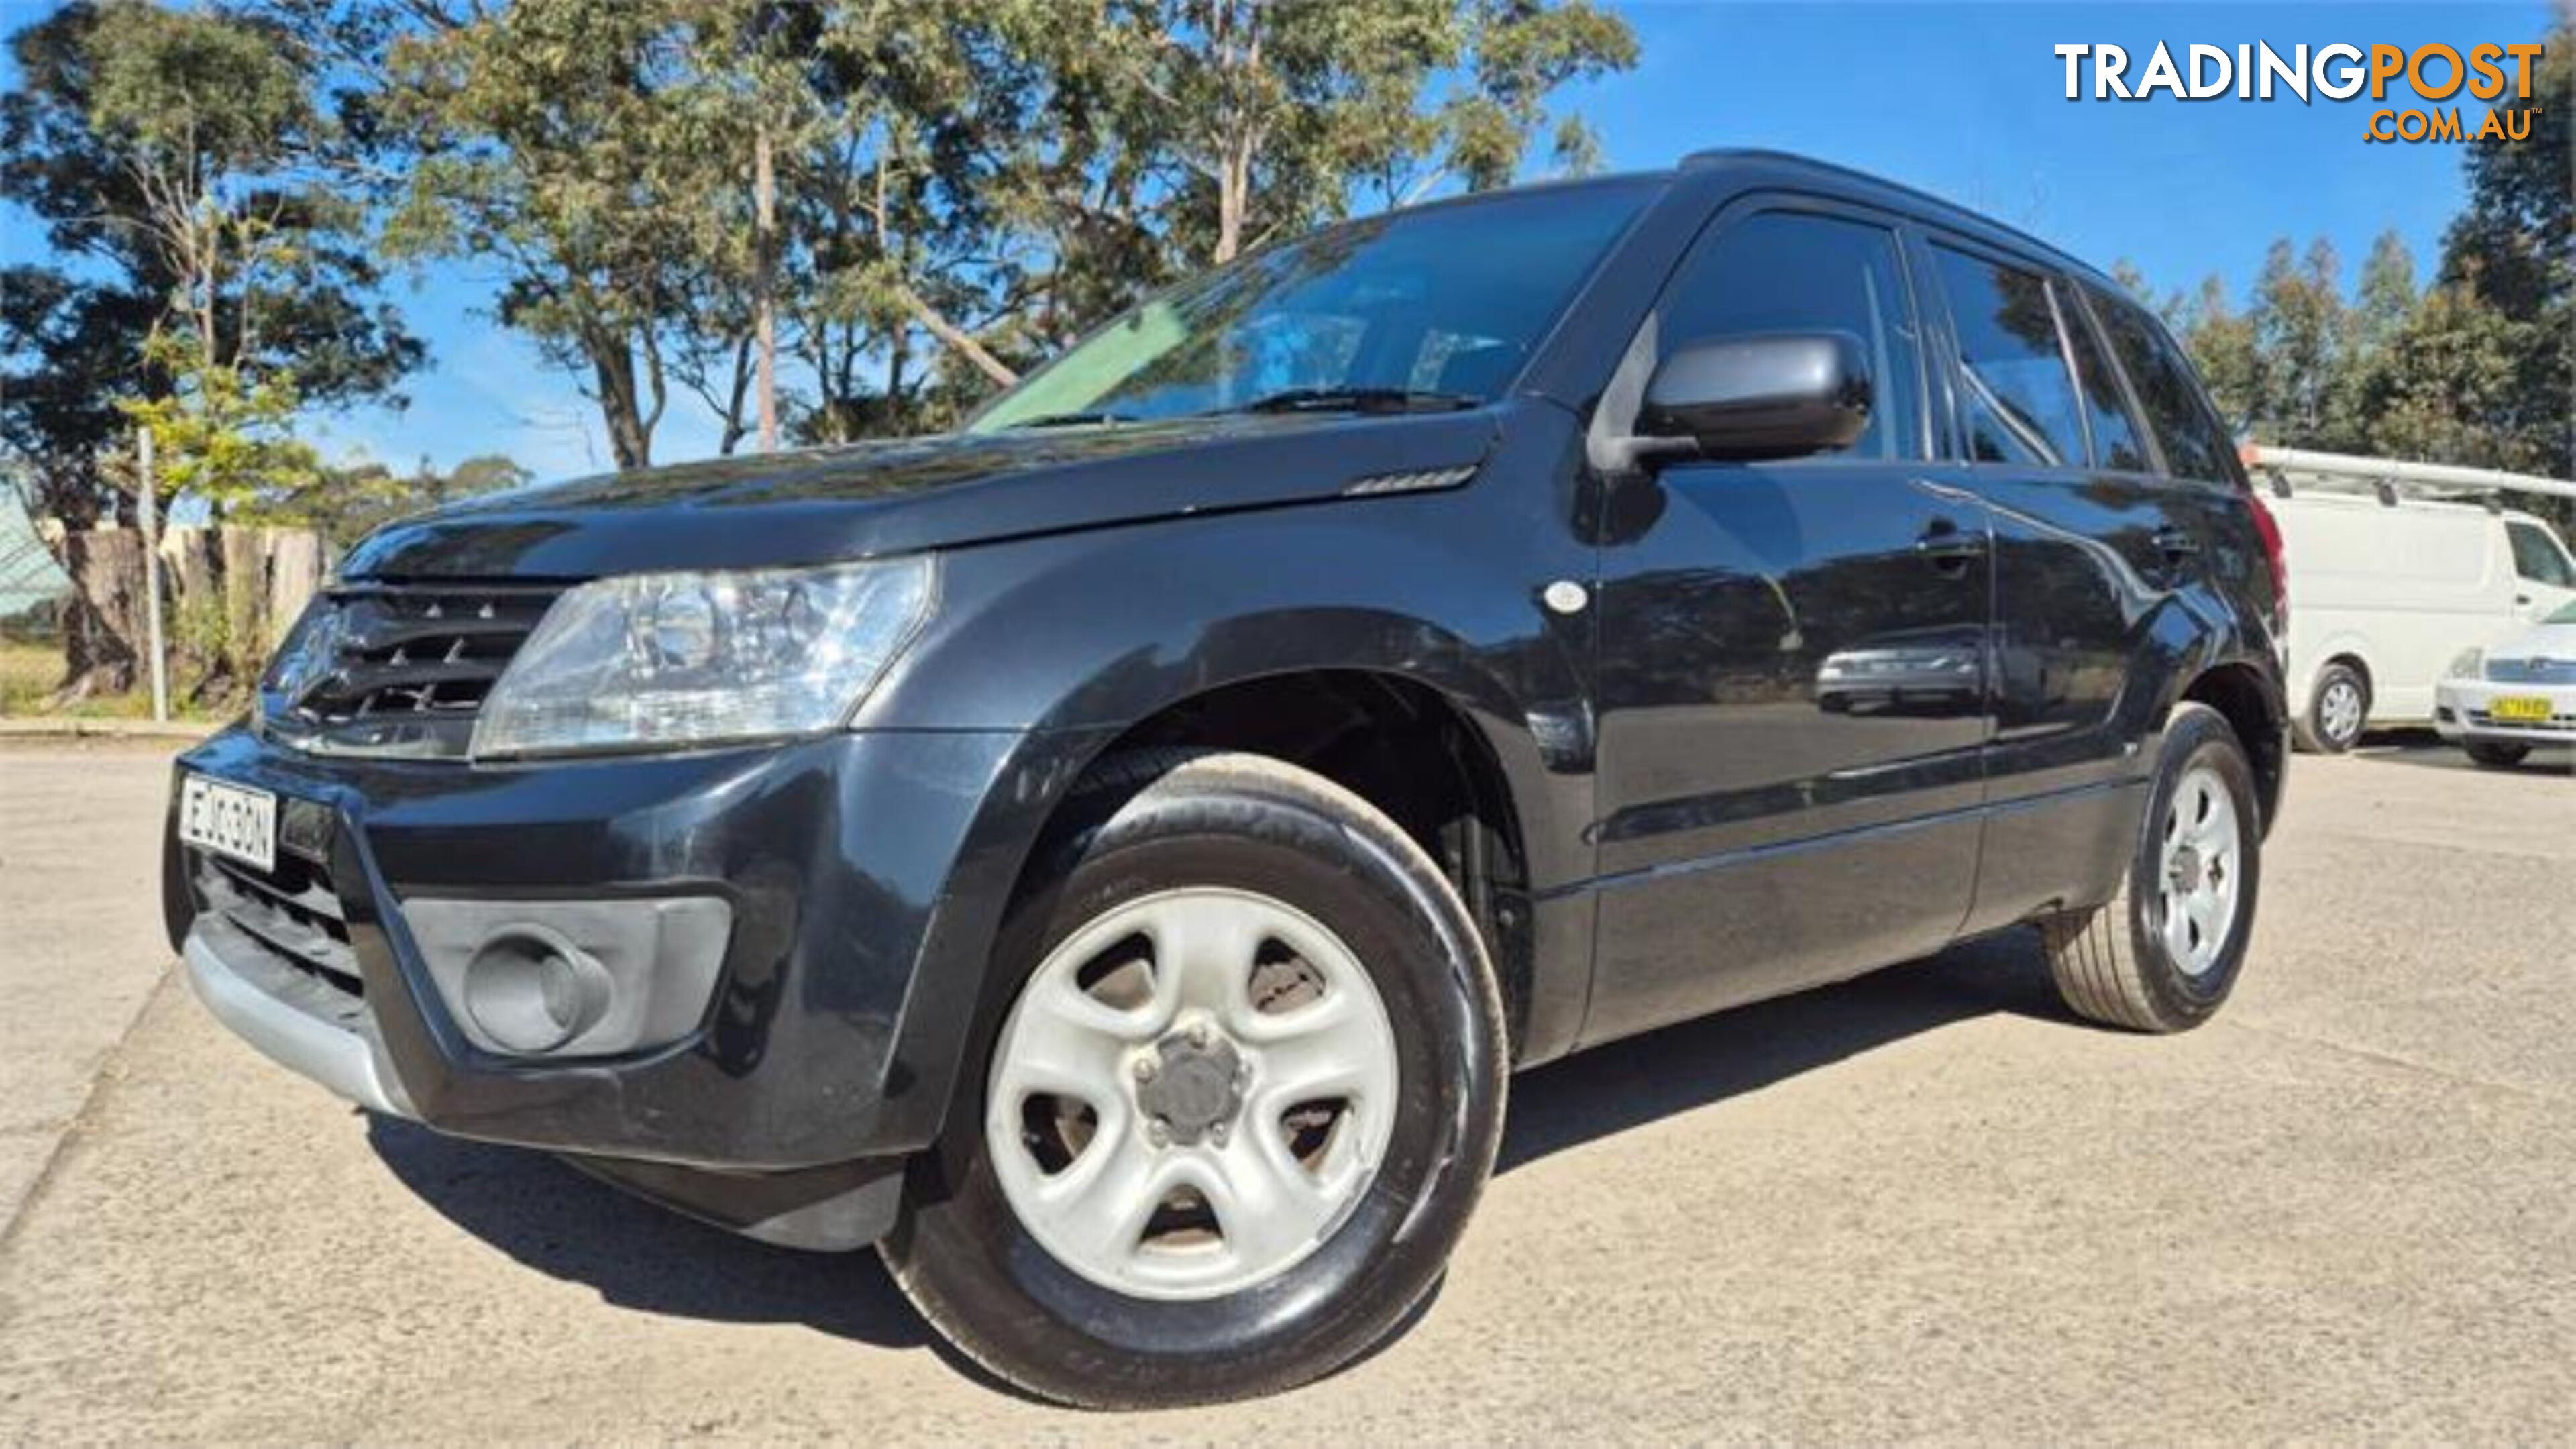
point(2020, 404)
point(2118, 442)
point(1792, 271)
point(2195, 445)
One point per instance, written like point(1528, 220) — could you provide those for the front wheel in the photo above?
point(2164, 953)
point(1245, 1090)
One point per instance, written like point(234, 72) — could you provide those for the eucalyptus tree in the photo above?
point(553, 145)
point(210, 272)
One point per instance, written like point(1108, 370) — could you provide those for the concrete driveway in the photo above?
point(1923, 1205)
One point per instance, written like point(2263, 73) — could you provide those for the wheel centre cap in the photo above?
point(2186, 871)
point(1196, 1085)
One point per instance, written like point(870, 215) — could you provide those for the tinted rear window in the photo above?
point(2194, 443)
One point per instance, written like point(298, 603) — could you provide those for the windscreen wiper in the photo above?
point(1074, 420)
point(1358, 400)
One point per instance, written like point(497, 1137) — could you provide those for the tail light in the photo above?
point(2270, 529)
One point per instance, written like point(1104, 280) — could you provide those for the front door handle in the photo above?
point(1950, 547)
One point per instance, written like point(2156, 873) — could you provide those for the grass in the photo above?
point(29, 671)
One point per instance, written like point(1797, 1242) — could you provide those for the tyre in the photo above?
point(2496, 754)
point(2338, 710)
point(2163, 954)
point(1244, 1094)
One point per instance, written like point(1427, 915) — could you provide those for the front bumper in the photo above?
point(865, 874)
point(2464, 709)
point(292, 1019)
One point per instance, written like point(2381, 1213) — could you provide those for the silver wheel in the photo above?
point(2339, 710)
point(1191, 1093)
point(2201, 858)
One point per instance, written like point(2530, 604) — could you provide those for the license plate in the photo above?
point(232, 820)
point(2519, 708)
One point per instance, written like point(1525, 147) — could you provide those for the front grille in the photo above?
point(411, 650)
point(2535, 670)
point(292, 912)
point(397, 668)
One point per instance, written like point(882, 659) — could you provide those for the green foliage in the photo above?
point(2475, 369)
point(2514, 251)
point(185, 163)
point(555, 140)
point(343, 503)
point(222, 435)
point(962, 186)
point(170, 89)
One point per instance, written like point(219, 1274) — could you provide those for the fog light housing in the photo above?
point(531, 990)
point(573, 978)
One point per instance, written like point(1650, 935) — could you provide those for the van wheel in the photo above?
point(2164, 953)
point(1234, 1111)
point(2338, 710)
point(2496, 756)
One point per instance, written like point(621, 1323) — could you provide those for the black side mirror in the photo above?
point(1773, 395)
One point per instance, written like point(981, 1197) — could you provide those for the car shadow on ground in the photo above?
point(547, 1216)
point(2429, 751)
point(544, 1214)
point(1701, 1063)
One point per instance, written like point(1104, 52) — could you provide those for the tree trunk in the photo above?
point(103, 627)
point(630, 438)
point(898, 353)
point(1233, 193)
point(232, 594)
point(764, 201)
point(1238, 56)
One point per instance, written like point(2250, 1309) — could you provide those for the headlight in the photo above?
point(2468, 664)
point(656, 660)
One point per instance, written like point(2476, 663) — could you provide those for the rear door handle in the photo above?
point(2175, 544)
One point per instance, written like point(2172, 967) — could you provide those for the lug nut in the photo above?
point(1144, 1069)
point(1199, 1036)
point(1157, 1133)
point(1217, 1134)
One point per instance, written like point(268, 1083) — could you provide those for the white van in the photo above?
point(2386, 589)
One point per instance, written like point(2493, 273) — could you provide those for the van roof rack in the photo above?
point(2292, 469)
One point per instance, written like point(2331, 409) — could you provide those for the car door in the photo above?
point(2544, 578)
point(1791, 693)
point(2093, 544)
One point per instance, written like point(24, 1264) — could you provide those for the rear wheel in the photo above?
point(2496, 755)
point(2338, 710)
point(2164, 953)
point(1238, 1106)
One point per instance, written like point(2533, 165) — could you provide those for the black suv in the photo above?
point(1112, 858)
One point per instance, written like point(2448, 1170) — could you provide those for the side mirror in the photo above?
point(1773, 395)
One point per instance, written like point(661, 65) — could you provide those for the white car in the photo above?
point(2383, 591)
point(2499, 701)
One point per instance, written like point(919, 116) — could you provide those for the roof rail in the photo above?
point(1709, 156)
point(2289, 468)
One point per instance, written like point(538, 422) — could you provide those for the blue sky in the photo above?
point(1965, 100)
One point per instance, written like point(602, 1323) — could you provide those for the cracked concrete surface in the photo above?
point(1923, 1205)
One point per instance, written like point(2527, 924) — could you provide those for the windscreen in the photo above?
point(1444, 305)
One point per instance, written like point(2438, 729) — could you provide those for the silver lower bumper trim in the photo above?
point(288, 1017)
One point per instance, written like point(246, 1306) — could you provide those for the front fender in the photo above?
point(1074, 639)
point(1090, 633)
